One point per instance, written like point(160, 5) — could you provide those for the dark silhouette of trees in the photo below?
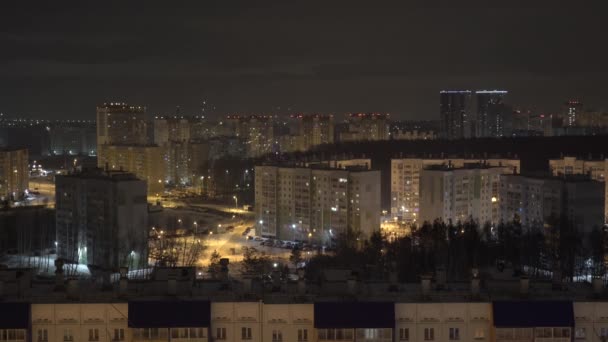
point(458, 248)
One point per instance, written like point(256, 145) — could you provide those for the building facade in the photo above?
point(120, 123)
point(367, 127)
point(595, 169)
point(315, 130)
point(257, 132)
point(232, 321)
point(102, 218)
point(308, 203)
point(535, 201)
point(494, 116)
point(145, 161)
point(14, 173)
point(405, 180)
point(456, 114)
point(459, 194)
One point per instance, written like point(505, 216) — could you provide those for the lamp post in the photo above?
point(236, 202)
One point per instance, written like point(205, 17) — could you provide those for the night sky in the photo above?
point(60, 60)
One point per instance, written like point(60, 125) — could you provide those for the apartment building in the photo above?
point(145, 161)
point(257, 132)
point(14, 173)
point(534, 201)
point(366, 127)
point(458, 194)
point(405, 180)
point(362, 163)
point(596, 169)
point(197, 320)
point(315, 130)
point(316, 203)
point(121, 123)
point(102, 218)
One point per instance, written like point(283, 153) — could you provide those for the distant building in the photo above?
point(534, 201)
point(14, 173)
point(289, 143)
point(120, 123)
point(146, 162)
point(494, 117)
point(226, 146)
point(302, 203)
point(413, 135)
point(366, 127)
point(360, 163)
point(73, 138)
point(456, 114)
point(459, 194)
point(315, 130)
point(572, 109)
point(171, 129)
point(102, 218)
point(257, 132)
point(595, 169)
point(405, 180)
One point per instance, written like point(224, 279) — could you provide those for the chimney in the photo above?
point(425, 282)
point(59, 281)
point(524, 285)
point(598, 285)
point(72, 290)
point(123, 282)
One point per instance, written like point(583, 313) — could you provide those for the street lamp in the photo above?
point(236, 202)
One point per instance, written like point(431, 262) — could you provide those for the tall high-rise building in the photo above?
point(455, 114)
point(572, 109)
point(172, 135)
point(102, 218)
point(171, 129)
point(405, 180)
point(145, 161)
point(14, 175)
point(316, 130)
point(494, 117)
point(535, 201)
point(120, 123)
point(459, 194)
point(301, 203)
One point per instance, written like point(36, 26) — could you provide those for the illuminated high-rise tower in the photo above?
point(494, 117)
point(455, 111)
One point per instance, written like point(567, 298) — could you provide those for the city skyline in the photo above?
point(334, 58)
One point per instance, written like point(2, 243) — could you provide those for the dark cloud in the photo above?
point(60, 59)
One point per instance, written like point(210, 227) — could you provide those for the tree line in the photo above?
point(553, 249)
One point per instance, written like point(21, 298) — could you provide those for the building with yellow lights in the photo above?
point(14, 175)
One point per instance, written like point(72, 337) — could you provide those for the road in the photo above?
point(46, 189)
